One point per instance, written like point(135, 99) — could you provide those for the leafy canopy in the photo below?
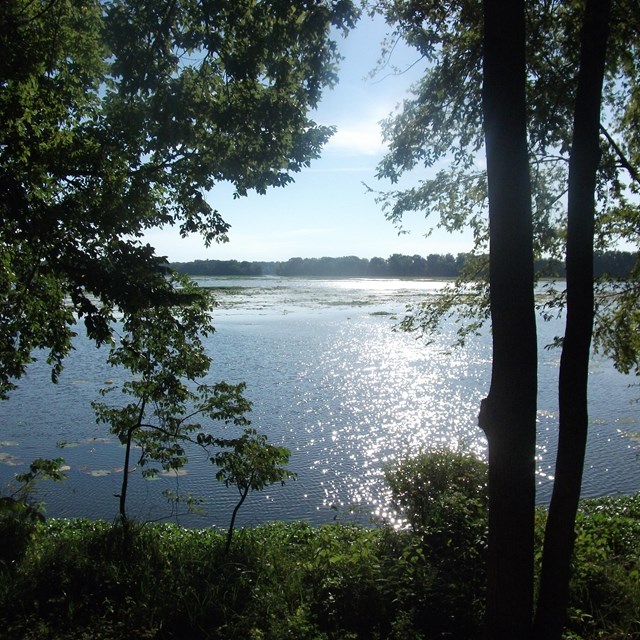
point(439, 127)
point(121, 118)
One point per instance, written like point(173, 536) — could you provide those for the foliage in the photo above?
point(250, 464)
point(218, 268)
point(39, 469)
point(532, 87)
point(431, 488)
point(439, 126)
point(170, 406)
point(443, 496)
point(121, 119)
point(19, 513)
point(606, 579)
point(616, 265)
point(161, 347)
point(366, 581)
point(86, 579)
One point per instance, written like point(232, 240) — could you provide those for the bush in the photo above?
point(605, 584)
point(443, 496)
point(433, 490)
point(19, 513)
point(81, 579)
point(18, 521)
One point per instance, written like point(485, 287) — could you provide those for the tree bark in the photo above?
point(243, 496)
point(127, 455)
point(508, 414)
point(574, 363)
point(125, 476)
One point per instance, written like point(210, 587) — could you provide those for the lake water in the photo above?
point(331, 380)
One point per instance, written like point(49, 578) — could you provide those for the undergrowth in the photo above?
point(82, 579)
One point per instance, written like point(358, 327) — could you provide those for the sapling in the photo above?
point(162, 349)
point(250, 464)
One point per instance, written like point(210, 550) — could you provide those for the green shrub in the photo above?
point(20, 513)
point(18, 521)
point(605, 584)
point(82, 579)
point(443, 496)
point(434, 489)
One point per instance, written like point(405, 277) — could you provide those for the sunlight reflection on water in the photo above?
point(330, 379)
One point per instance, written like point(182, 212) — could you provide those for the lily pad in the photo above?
point(7, 458)
point(99, 473)
point(173, 473)
point(64, 444)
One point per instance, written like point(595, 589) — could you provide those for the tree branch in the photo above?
point(623, 159)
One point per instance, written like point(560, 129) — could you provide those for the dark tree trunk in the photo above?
point(574, 363)
point(508, 414)
point(127, 457)
point(232, 524)
point(125, 476)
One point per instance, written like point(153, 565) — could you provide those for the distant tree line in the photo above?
point(617, 264)
point(219, 268)
point(396, 266)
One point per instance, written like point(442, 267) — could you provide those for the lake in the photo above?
point(330, 379)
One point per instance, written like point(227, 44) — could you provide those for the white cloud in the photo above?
point(358, 138)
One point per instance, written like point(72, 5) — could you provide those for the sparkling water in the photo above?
point(331, 379)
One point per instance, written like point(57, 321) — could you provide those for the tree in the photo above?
point(162, 349)
point(377, 267)
point(576, 347)
point(122, 117)
point(442, 122)
point(251, 464)
point(400, 265)
point(170, 408)
point(508, 414)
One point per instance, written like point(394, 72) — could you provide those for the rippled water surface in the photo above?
point(331, 380)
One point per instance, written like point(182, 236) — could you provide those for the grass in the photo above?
point(83, 579)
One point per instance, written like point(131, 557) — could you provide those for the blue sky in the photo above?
point(327, 211)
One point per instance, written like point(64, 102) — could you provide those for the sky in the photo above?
point(328, 211)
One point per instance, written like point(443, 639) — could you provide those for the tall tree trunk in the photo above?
point(508, 414)
point(574, 363)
